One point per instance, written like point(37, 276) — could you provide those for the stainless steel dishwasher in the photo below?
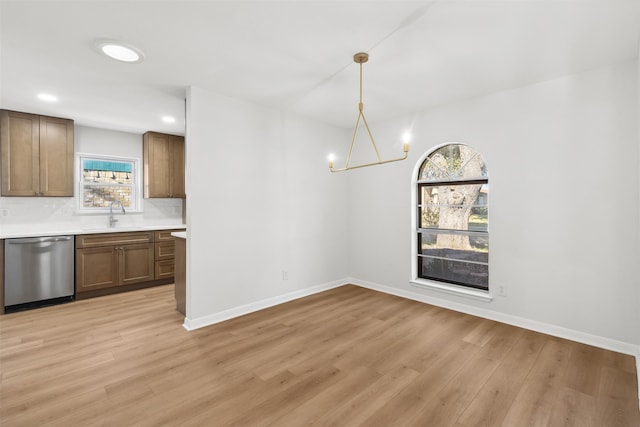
point(38, 271)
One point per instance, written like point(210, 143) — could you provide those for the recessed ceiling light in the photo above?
point(168, 119)
point(47, 97)
point(120, 51)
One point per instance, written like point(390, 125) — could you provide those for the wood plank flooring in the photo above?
point(345, 357)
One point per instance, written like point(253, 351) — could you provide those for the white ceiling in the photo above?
point(297, 55)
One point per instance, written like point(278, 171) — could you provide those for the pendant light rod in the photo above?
point(360, 58)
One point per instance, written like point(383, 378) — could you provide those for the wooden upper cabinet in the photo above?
point(37, 155)
point(163, 163)
point(56, 157)
point(177, 169)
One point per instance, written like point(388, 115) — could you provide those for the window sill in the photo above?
point(452, 290)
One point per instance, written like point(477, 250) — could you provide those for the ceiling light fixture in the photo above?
point(120, 51)
point(361, 58)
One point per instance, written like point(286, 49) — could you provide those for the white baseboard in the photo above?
point(545, 328)
point(534, 325)
point(201, 322)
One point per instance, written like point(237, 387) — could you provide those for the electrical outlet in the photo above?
point(502, 290)
point(4, 212)
point(285, 275)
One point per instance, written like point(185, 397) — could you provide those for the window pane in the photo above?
point(107, 165)
point(474, 275)
point(454, 207)
point(453, 161)
point(107, 177)
point(453, 217)
point(460, 246)
point(101, 196)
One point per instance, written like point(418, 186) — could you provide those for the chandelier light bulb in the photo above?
point(406, 138)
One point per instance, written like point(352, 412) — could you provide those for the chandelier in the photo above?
point(361, 58)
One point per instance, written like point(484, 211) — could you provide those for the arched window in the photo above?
point(452, 219)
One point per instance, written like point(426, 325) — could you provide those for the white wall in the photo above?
point(51, 213)
point(564, 203)
point(261, 201)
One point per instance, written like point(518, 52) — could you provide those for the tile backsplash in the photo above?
point(54, 213)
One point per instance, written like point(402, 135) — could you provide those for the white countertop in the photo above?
point(42, 230)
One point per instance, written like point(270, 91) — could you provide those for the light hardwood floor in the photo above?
point(345, 357)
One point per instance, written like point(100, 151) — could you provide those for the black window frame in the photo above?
point(479, 280)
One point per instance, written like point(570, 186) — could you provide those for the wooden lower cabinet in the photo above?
point(116, 262)
point(1, 276)
point(165, 249)
point(180, 289)
point(109, 266)
point(97, 268)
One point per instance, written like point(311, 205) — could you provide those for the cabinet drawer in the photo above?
point(106, 239)
point(165, 235)
point(165, 250)
point(165, 269)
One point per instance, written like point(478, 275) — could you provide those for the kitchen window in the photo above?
point(452, 220)
point(104, 180)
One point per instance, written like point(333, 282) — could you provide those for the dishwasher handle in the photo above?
point(38, 240)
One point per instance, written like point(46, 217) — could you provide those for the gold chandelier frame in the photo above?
point(360, 58)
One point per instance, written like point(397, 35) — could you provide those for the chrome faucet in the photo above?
point(112, 219)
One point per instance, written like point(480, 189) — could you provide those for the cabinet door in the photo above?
point(19, 140)
point(56, 157)
point(163, 165)
point(176, 166)
point(156, 165)
point(96, 268)
point(136, 263)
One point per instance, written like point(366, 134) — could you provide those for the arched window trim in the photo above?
point(416, 281)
